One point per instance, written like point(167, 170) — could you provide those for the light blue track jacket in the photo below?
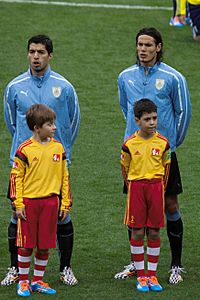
point(167, 88)
point(51, 89)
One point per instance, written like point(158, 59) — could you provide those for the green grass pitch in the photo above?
point(91, 47)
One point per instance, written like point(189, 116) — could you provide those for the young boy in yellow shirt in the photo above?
point(145, 161)
point(39, 189)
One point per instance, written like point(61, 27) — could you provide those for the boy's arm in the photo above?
point(16, 187)
point(166, 163)
point(125, 162)
point(66, 200)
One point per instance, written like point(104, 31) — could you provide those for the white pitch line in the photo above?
point(95, 5)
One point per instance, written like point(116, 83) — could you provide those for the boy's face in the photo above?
point(47, 130)
point(147, 124)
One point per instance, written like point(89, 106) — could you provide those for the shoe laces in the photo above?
point(176, 270)
point(153, 280)
point(142, 280)
point(43, 284)
point(130, 266)
point(65, 270)
point(68, 271)
point(12, 271)
point(24, 286)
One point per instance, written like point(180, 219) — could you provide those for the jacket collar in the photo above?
point(40, 78)
point(150, 69)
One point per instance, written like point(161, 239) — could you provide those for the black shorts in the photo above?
point(194, 11)
point(174, 185)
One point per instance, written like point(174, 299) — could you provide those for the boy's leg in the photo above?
point(44, 234)
point(65, 239)
point(40, 263)
point(128, 270)
point(24, 261)
point(138, 256)
point(153, 252)
point(137, 250)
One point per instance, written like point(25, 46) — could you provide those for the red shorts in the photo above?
point(145, 204)
point(39, 230)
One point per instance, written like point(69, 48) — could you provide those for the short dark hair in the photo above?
point(38, 114)
point(41, 39)
point(144, 106)
point(154, 33)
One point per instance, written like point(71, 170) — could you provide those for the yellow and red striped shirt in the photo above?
point(145, 159)
point(40, 171)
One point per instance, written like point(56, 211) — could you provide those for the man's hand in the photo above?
point(63, 215)
point(21, 213)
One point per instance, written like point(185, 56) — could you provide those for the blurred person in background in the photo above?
point(194, 13)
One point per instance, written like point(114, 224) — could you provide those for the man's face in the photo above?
point(38, 59)
point(147, 50)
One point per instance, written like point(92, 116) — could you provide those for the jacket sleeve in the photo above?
point(182, 107)
point(10, 109)
point(66, 200)
point(122, 96)
point(74, 113)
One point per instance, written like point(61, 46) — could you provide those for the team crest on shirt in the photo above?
point(122, 156)
point(159, 83)
point(56, 90)
point(56, 157)
point(155, 151)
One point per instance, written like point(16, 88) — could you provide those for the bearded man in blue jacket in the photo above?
point(42, 85)
point(167, 88)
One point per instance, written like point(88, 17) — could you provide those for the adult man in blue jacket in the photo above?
point(152, 79)
point(41, 85)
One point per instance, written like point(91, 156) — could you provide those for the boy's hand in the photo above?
point(63, 215)
point(21, 213)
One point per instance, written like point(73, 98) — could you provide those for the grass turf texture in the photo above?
point(91, 47)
